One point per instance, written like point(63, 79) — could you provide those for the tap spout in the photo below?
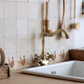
point(56, 32)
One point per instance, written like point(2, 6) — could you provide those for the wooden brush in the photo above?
point(75, 25)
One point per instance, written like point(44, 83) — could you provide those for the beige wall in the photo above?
point(20, 30)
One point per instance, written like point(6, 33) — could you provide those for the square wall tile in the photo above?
point(47, 43)
point(31, 58)
point(10, 27)
point(61, 42)
point(10, 0)
point(32, 10)
point(1, 0)
point(68, 1)
point(52, 42)
point(21, 60)
point(32, 0)
point(11, 60)
point(53, 24)
point(1, 10)
point(54, 1)
point(21, 27)
point(1, 43)
point(10, 44)
point(53, 51)
point(40, 26)
point(53, 10)
point(9, 10)
point(1, 28)
point(22, 0)
point(61, 54)
point(22, 44)
point(40, 1)
point(32, 26)
point(41, 10)
point(68, 10)
point(21, 10)
point(33, 42)
point(40, 41)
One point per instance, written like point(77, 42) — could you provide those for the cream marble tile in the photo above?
point(32, 26)
point(10, 0)
point(21, 10)
point(61, 53)
point(68, 1)
point(52, 42)
point(53, 24)
point(22, 44)
point(10, 44)
point(33, 0)
point(53, 10)
point(1, 10)
point(54, 0)
point(40, 41)
point(31, 58)
point(1, 0)
point(22, 0)
point(41, 10)
point(47, 43)
point(70, 31)
point(11, 60)
point(10, 27)
point(32, 10)
point(9, 10)
point(54, 52)
point(68, 10)
point(1, 43)
point(61, 42)
point(40, 26)
point(1, 28)
point(33, 43)
point(40, 1)
point(21, 27)
point(21, 60)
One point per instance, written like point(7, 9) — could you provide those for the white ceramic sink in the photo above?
point(71, 70)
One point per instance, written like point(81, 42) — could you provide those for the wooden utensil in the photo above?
point(47, 18)
point(63, 19)
point(2, 57)
point(75, 25)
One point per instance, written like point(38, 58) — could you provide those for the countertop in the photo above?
point(18, 78)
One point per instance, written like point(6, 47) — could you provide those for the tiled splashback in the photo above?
point(21, 24)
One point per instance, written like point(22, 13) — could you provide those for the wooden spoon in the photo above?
point(63, 20)
point(47, 18)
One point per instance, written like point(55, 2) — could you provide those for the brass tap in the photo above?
point(41, 59)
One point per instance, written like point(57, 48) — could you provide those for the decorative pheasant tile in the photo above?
point(11, 60)
point(53, 51)
point(21, 60)
point(61, 53)
point(32, 59)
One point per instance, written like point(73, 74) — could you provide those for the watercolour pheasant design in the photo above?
point(22, 62)
point(62, 54)
point(33, 59)
point(54, 54)
point(11, 63)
